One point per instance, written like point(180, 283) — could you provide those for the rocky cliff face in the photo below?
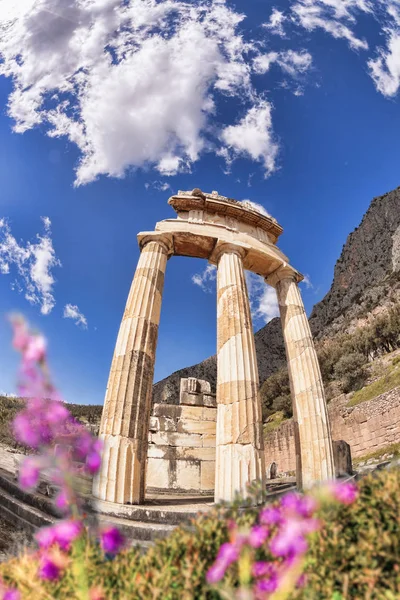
point(270, 354)
point(366, 275)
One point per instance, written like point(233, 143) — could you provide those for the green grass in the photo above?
point(391, 449)
point(274, 421)
point(386, 383)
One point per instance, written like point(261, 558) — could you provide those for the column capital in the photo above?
point(165, 240)
point(227, 248)
point(285, 271)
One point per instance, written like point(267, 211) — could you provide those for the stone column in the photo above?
point(125, 420)
point(314, 455)
point(239, 442)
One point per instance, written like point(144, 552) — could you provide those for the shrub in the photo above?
point(355, 556)
point(350, 369)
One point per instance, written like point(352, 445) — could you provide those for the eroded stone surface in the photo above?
point(125, 421)
point(240, 452)
point(313, 442)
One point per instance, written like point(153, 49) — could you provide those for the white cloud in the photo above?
point(130, 83)
point(204, 280)
point(385, 68)
point(33, 262)
point(46, 222)
point(336, 17)
point(71, 311)
point(253, 137)
point(256, 206)
point(307, 282)
point(291, 62)
point(160, 186)
point(263, 299)
point(275, 22)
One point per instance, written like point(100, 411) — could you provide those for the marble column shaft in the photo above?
point(239, 442)
point(314, 455)
point(127, 406)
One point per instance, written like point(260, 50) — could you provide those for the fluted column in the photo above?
point(314, 456)
point(239, 442)
point(125, 420)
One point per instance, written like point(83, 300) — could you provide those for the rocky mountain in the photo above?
point(270, 357)
point(366, 275)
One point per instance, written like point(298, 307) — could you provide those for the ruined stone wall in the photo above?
point(367, 427)
point(181, 451)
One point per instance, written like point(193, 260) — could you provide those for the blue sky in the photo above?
point(294, 106)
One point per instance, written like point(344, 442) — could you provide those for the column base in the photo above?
point(237, 465)
point(120, 475)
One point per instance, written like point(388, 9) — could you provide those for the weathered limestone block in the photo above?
point(240, 455)
point(196, 392)
point(207, 476)
point(181, 453)
point(342, 458)
point(126, 414)
point(314, 455)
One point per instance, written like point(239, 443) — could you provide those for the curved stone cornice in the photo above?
point(220, 205)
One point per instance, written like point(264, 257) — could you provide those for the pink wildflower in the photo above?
point(257, 536)
point(216, 572)
point(262, 569)
point(35, 350)
point(49, 569)
point(29, 473)
point(62, 533)
point(266, 586)
point(11, 594)
point(111, 540)
point(93, 462)
point(66, 532)
point(344, 492)
point(303, 506)
point(289, 540)
point(270, 515)
point(62, 500)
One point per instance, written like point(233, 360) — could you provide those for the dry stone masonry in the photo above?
point(181, 454)
point(233, 236)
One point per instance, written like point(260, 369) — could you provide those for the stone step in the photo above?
point(137, 531)
point(22, 515)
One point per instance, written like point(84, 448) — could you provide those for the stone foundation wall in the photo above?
point(181, 452)
point(367, 427)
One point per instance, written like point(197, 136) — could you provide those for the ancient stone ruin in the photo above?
point(233, 236)
point(181, 453)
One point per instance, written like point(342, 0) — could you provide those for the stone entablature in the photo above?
point(198, 206)
point(181, 451)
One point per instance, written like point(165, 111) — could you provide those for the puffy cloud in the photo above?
point(33, 262)
point(253, 137)
point(204, 280)
point(263, 299)
point(130, 83)
point(71, 311)
point(275, 22)
point(291, 62)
